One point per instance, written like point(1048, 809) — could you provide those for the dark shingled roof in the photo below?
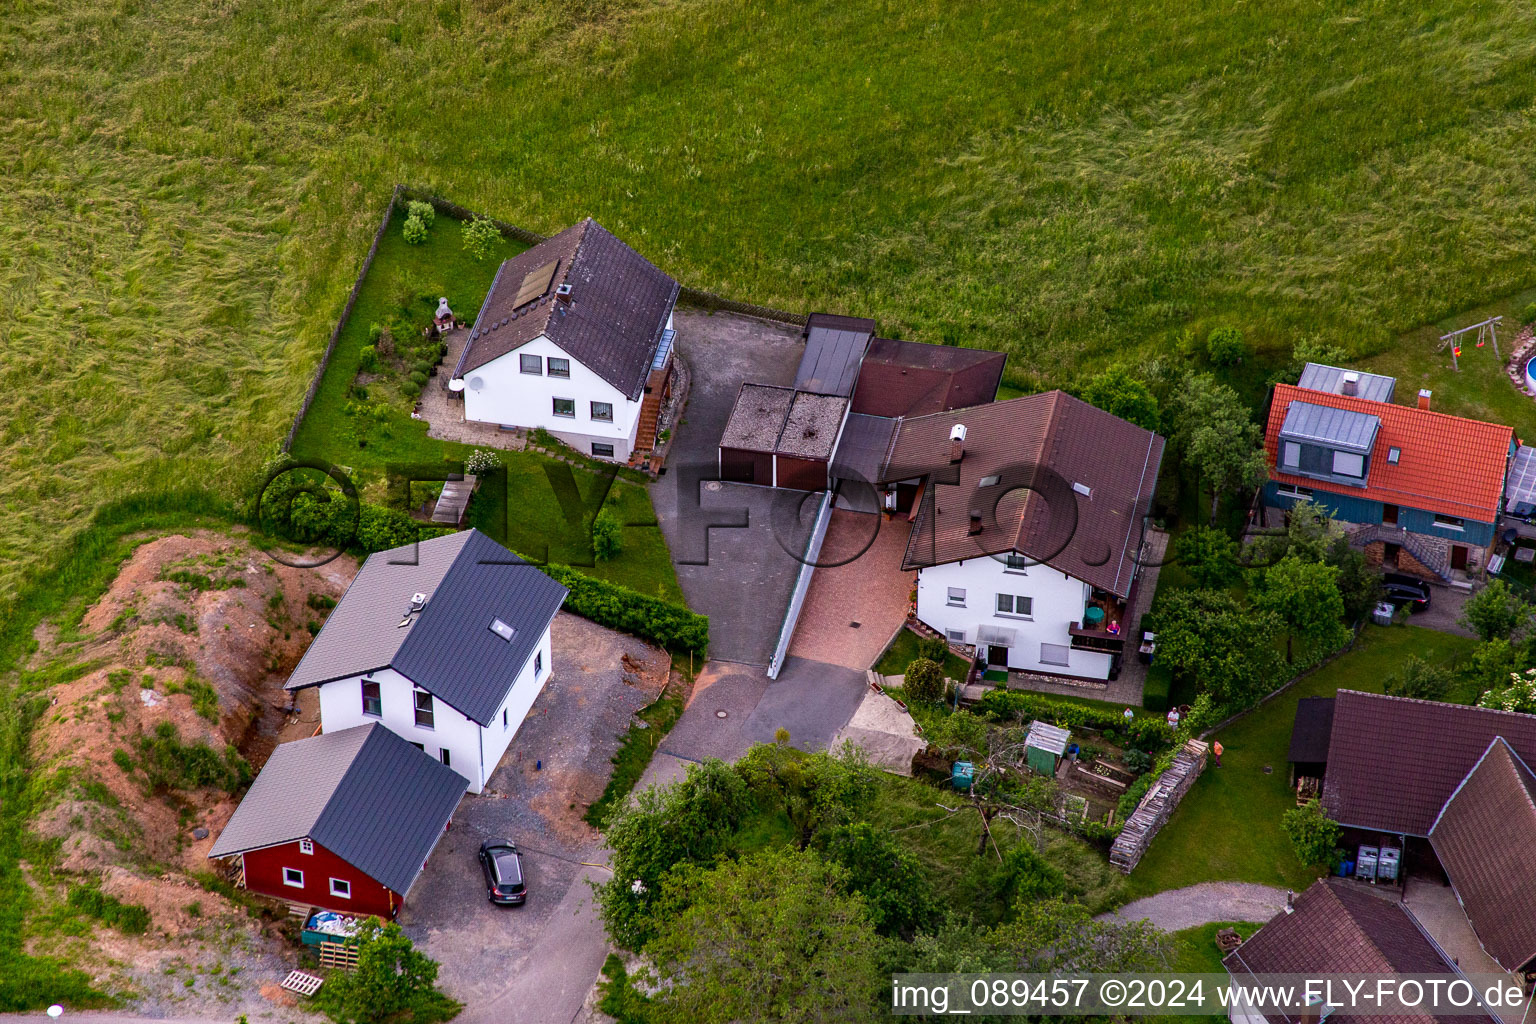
point(448, 649)
point(1038, 447)
point(619, 304)
point(907, 378)
point(363, 793)
point(1485, 837)
point(834, 347)
point(1393, 761)
point(1311, 730)
point(1340, 928)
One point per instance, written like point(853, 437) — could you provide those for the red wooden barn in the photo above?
point(344, 820)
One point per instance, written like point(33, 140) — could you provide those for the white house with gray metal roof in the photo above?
point(446, 643)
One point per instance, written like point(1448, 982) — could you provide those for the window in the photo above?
point(1292, 491)
point(423, 709)
point(531, 364)
point(538, 663)
point(1348, 464)
point(306, 846)
point(956, 598)
point(503, 718)
point(559, 367)
point(503, 630)
point(602, 451)
point(1394, 455)
point(373, 699)
point(955, 636)
point(1450, 522)
point(1054, 654)
point(293, 877)
point(1015, 562)
point(1083, 489)
point(1290, 454)
point(991, 480)
point(602, 411)
point(341, 887)
point(565, 407)
point(1015, 604)
point(445, 757)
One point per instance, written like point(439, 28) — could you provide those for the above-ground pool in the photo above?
point(1530, 376)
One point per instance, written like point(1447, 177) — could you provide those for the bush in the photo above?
point(924, 681)
point(169, 764)
point(894, 884)
point(302, 517)
point(1137, 761)
point(1528, 315)
point(481, 461)
point(1225, 346)
point(423, 367)
point(410, 389)
point(419, 378)
point(128, 918)
point(1312, 835)
point(649, 618)
point(933, 648)
point(424, 212)
point(1419, 679)
point(415, 231)
point(392, 978)
point(1004, 705)
point(368, 359)
point(480, 237)
point(607, 534)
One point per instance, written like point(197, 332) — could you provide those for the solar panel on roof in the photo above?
point(536, 283)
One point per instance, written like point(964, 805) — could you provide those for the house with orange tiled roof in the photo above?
point(1419, 490)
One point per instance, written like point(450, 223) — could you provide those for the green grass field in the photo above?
point(1228, 826)
point(190, 188)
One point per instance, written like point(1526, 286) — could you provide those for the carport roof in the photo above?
point(865, 447)
point(757, 418)
point(364, 794)
point(810, 430)
point(834, 348)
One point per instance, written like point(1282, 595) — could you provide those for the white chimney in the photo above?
point(1351, 385)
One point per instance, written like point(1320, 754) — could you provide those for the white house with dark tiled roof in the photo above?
point(574, 337)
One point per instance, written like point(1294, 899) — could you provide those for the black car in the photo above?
point(1399, 589)
point(503, 867)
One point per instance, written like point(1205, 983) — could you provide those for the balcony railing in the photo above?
point(1091, 639)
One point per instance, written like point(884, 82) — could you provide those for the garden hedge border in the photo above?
point(628, 611)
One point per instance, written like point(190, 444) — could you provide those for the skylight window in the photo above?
point(1394, 454)
point(990, 481)
point(1083, 489)
point(503, 630)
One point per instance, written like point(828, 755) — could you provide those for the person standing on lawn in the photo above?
point(1216, 749)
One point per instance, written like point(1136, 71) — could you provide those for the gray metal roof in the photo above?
point(1371, 386)
point(834, 348)
point(448, 648)
point(363, 793)
point(865, 447)
point(1047, 737)
point(1337, 428)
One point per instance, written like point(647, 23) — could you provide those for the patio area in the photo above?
point(445, 414)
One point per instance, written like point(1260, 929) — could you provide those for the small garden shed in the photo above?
point(1045, 746)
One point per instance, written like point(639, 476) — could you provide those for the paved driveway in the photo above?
point(851, 611)
point(729, 553)
point(536, 963)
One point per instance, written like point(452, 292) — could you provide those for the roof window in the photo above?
point(1394, 454)
point(503, 630)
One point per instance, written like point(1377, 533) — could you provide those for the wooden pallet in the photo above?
point(303, 983)
point(338, 954)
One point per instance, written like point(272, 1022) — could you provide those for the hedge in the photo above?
point(330, 523)
point(1147, 733)
point(608, 604)
point(1155, 691)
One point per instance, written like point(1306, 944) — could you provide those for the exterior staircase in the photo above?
point(1435, 561)
point(650, 413)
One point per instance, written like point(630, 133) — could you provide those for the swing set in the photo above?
point(1486, 332)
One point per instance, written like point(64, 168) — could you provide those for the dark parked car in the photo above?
point(503, 867)
point(1405, 590)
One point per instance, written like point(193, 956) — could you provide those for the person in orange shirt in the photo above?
point(1216, 749)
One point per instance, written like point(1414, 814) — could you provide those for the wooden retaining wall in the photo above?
point(1153, 811)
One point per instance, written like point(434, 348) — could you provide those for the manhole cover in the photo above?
point(713, 485)
point(720, 714)
point(1268, 769)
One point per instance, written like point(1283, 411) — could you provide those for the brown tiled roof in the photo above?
point(1337, 927)
point(1038, 447)
point(906, 378)
point(1448, 464)
point(1485, 837)
point(619, 304)
point(1393, 761)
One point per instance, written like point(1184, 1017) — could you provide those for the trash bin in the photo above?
point(1382, 615)
point(963, 774)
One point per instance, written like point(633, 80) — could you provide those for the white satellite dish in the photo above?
point(476, 383)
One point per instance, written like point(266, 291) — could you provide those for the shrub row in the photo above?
point(332, 522)
point(128, 918)
point(608, 604)
point(1146, 733)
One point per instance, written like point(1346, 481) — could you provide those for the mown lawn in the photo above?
point(1228, 826)
point(547, 505)
point(190, 189)
point(903, 649)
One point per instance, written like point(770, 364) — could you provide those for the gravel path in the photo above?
point(1195, 905)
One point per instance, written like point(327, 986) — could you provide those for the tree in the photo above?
point(1308, 534)
point(1305, 597)
point(1519, 695)
point(1495, 612)
point(1358, 582)
point(1119, 393)
point(814, 790)
point(775, 936)
point(1313, 349)
point(893, 884)
point(1218, 437)
point(1209, 555)
point(924, 681)
point(1225, 346)
point(1419, 679)
point(607, 534)
point(1312, 835)
point(1492, 664)
point(391, 976)
point(480, 237)
point(1206, 637)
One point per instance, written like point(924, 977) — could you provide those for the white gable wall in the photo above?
point(473, 752)
point(1058, 601)
point(509, 397)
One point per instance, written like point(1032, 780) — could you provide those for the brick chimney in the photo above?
point(1424, 394)
point(975, 527)
point(957, 442)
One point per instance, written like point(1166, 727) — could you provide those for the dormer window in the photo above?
point(1290, 454)
point(1348, 464)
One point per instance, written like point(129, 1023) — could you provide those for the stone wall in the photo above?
point(1153, 811)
